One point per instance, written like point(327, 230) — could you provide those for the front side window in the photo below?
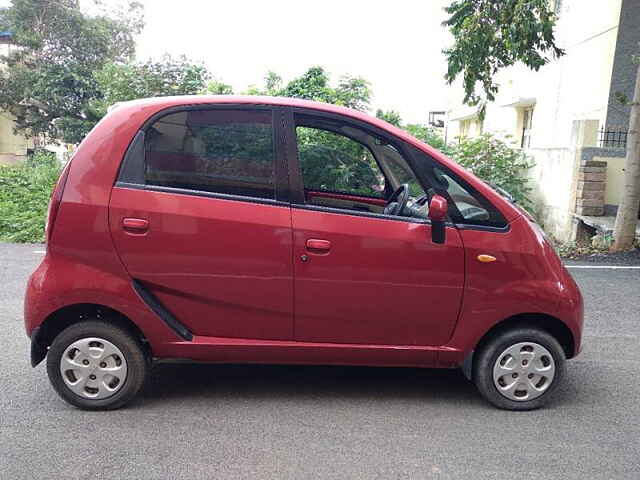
point(330, 162)
point(220, 151)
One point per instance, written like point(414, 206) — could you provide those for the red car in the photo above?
point(272, 230)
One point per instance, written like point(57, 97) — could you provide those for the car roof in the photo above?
point(161, 103)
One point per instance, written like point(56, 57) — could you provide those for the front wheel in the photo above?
point(95, 365)
point(519, 369)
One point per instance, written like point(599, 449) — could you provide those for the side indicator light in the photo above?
point(486, 258)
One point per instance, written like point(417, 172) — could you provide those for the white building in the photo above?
point(560, 113)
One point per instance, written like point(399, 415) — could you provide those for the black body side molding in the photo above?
point(165, 315)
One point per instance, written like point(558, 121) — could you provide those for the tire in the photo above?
point(95, 365)
point(538, 363)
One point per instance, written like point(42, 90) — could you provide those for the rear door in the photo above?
point(199, 219)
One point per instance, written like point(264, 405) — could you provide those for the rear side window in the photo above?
point(221, 151)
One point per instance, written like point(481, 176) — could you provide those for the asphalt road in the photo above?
point(202, 422)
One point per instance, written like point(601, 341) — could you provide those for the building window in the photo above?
point(527, 117)
point(471, 127)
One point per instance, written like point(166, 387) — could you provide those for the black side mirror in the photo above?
point(438, 208)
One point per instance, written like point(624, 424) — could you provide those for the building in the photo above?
point(13, 147)
point(568, 115)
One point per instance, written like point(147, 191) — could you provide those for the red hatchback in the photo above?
point(270, 230)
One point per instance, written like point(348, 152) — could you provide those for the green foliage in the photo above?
point(25, 191)
point(216, 87)
point(48, 84)
point(314, 84)
point(495, 162)
point(490, 35)
point(428, 135)
point(333, 162)
point(154, 78)
point(390, 116)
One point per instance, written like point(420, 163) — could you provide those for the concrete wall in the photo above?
point(13, 148)
point(624, 70)
point(553, 182)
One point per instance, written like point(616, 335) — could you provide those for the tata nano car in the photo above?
point(272, 230)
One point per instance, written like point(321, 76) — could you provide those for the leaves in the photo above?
point(48, 84)
point(154, 78)
point(314, 84)
point(390, 116)
point(490, 35)
point(495, 162)
point(24, 196)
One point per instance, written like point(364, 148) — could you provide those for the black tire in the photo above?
point(486, 357)
point(136, 362)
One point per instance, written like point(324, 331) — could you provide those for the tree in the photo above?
point(390, 116)
point(490, 35)
point(314, 84)
point(48, 84)
point(167, 76)
point(627, 218)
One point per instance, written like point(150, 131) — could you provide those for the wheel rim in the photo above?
point(93, 368)
point(524, 371)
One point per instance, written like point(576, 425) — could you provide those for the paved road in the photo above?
point(201, 422)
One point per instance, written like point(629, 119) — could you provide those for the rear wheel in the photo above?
point(96, 365)
point(519, 369)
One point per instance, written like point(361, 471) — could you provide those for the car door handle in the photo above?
point(317, 245)
point(135, 225)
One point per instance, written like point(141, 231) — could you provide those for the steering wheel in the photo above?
point(398, 200)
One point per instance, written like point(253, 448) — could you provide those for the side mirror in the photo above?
point(438, 208)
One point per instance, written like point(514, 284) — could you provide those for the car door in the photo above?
point(198, 219)
point(363, 276)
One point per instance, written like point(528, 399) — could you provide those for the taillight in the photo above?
point(54, 203)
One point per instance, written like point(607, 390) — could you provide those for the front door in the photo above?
point(199, 224)
point(361, 275)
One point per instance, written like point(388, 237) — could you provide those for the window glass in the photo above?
point(221, 151)
point(473, 208)
point(466, 205)
point(401, 170)
point(335, 163)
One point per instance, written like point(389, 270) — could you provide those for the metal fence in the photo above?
point(612, 137)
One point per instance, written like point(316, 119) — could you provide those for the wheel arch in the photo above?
point(69, 315)
point(550, 324)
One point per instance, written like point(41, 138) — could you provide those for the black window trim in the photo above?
point(202, 193)
point(131, 172)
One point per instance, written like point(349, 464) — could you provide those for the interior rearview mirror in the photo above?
point(438, 208)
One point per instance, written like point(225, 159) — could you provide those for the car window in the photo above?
point(221, 151)
point(332, 162)
point(401, 170)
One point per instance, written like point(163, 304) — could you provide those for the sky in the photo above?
point(395, 45)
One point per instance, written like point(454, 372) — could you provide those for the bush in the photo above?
point(25, 191)
point(495, 162)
